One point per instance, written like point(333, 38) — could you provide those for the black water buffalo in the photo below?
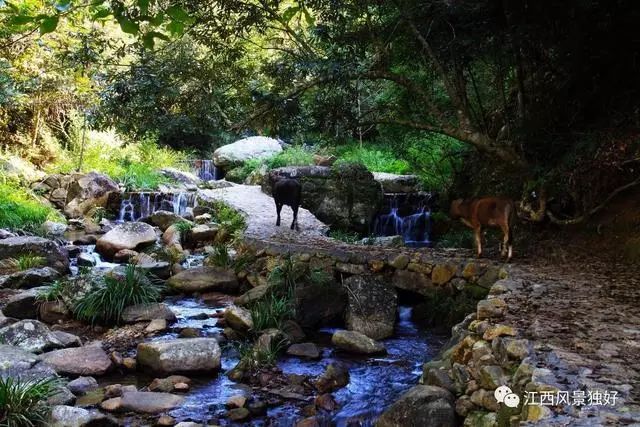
point(287, 191)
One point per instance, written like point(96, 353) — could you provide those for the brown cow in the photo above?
point(487, 211)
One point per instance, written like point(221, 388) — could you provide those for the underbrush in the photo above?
point(442, 310)
point(19, 209)
point(135, 165)
point(23, 403)
point(220, 257)
point(375, 158)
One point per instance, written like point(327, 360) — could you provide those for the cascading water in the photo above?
point(206, 170)
point(412, 223)
point(134, 206)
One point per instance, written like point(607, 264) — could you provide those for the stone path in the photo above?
point(582, 316)
point(584, 322)
point(260, 214)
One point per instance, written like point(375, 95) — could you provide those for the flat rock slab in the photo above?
point(355, 342)
point(147, 312)
point(150, 402)
point(30, 335)
point(202, 279)
point(181, 355)
point(88, 360)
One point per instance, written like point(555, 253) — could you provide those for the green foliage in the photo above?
point(227, 217)
point(456, 238)
point(135, 165)
point(220, 257)
point(344, 236)
point(375, 158)
point(19, 209)
point(253, 358)
point(184, 229)
point(271, 310)
point(106, 303)
point(292, 156)
point(23, 403)
point(54, 291)
point(25, 262)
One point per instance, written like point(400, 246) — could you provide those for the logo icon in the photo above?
point(503, 394)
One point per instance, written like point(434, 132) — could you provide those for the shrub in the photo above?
point(292, 156)
point(20, 209)
point(24, 262)
point(23, 403)
point(271, 311)
point(106, 303)
point(220, 257)
point(344, 236)
point(228, 217)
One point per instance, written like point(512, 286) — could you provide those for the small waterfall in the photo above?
point(206, 170)
point(412, 223)
point(135, 206)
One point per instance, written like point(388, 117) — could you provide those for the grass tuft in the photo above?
point(23, 403)
point(106, 303)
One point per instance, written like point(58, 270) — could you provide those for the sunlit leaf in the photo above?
point(101, 14)
point(49, 24)
point(147, 41)
point(127, 25)
point(21, 19)
point(176, 28)
point(308, 17)
point(290, 13)
point(144, 6)
point(178, 13)
point(158, 19)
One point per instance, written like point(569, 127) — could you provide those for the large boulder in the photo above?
point(129, 235)
point(319, 304)
point(30, 335)
point(355, 342)
point(372, 306)
point(164, 219)
point(16, 362)
point(24, 304)
point(344, 195)
point(88, 360)
point(181, 355)
point(253, 147)
point(29, 278)
point(392, 183)
point(88, 191)
point(423, 405)
point(55, 256)
point(204, 279)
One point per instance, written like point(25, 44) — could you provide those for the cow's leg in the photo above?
point(506, 239)
point(477, 232)
point(294, 223)
point(278, 209)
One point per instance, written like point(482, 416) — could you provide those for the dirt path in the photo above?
point(260, 213)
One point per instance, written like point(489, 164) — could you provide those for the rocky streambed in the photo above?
point(348, 348)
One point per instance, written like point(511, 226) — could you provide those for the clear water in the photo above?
point(375, 382)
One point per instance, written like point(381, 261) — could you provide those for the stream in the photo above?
point(375, 382)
